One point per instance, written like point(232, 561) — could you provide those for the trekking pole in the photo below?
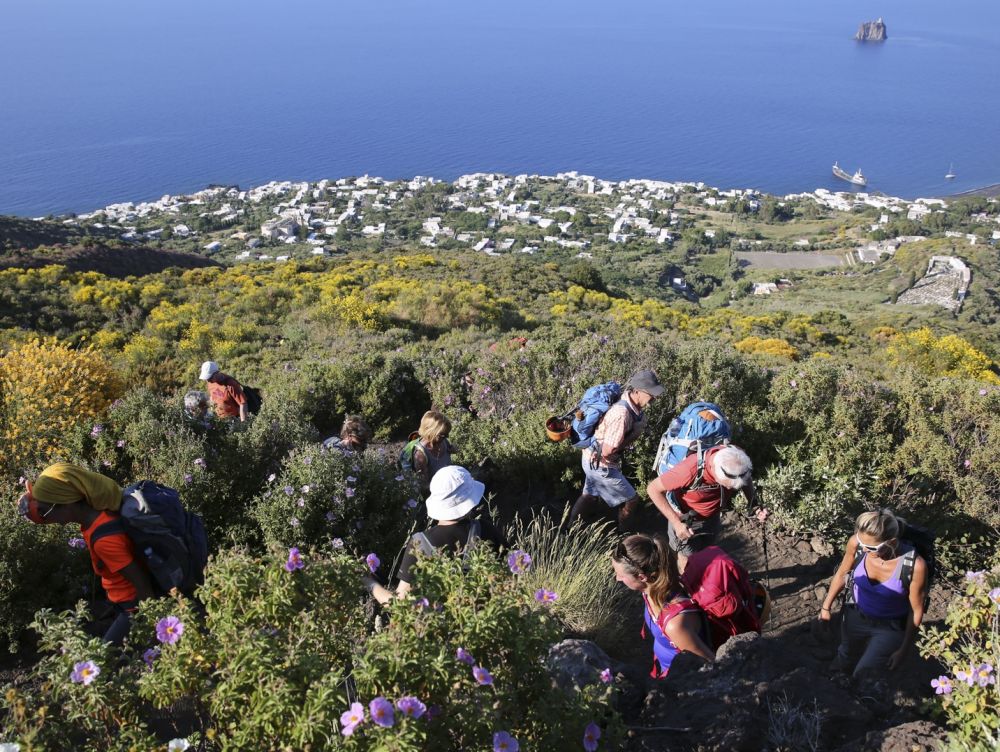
point(763, 543)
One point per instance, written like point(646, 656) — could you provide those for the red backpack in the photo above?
point(723, 589)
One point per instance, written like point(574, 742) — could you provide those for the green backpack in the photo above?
point(406, 456)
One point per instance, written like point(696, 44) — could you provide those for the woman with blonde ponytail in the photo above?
point(645, 563)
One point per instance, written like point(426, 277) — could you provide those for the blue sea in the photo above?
point(108, 100)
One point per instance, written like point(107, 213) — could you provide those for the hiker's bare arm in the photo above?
point(658, 495)
point(381, 593)
point(683, 632)
point(243, 412)
point(140, 581)
point(918, 590)
point(839, 578)
point(420, 465)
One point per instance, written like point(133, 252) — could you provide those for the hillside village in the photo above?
point(568, 215)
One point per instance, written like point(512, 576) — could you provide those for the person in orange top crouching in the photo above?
point(65, 494)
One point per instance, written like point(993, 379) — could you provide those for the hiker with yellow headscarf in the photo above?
point(64, 494)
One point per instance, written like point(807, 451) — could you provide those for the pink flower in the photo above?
point(606, 676)
point(382, 712)
point(352, 718)
point(169, 630)
point(294, 560)
point(504, 742)
point(84, 672)
point(942, 685)
point(348, 492)
point(482, 676)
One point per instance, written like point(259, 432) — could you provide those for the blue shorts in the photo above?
point(606, 482)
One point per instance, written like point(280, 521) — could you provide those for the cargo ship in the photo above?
point(856, 179)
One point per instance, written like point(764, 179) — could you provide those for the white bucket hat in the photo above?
point(208, 369)
point(454, 493)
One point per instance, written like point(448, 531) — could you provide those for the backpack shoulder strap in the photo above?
point(423, 543)
point(906, 573)
point(475, 533)
point(111, 527)
point(849, 578)
point(671, 610)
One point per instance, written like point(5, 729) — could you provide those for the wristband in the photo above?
point(823, 608)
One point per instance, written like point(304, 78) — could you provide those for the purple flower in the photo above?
point(448, 400)
point(433, 712)
point(482, 676)
point(423, 603)
point(974, 576)
point(982, 392)
point(188, 478)
point(967, 464)
point(352, 718)
point(337, 543)
point(120, 443)
point(169, 629)
point(76, 542)
point(300, 502)
point(504, 742)
point(411, 503)
point(793, 384)
point(373, 563)
point(305, 488)
point(411, 707)
point(590, 736)
point(400, 478)
point(519, 561)
point(983, 674)
point(546, 596)
point(382, 712)
point(200, 462)
point(84, 672)
point(606, 676)
point(150, 655)
point(942, 685)
point(348, 492)
point(465, 657)
point(966, 676)
point(351, 479)
point(288, 490)
point(995, 595)
point(294, 560)
point(96, 431)
point(357, 468)
point(307, 461)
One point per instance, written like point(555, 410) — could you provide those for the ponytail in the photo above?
point(650, 556)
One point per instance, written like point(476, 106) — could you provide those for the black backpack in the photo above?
point(171, 540)
point(254, 400)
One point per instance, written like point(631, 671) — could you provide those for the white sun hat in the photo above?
point(208, 369)
point(454, 493)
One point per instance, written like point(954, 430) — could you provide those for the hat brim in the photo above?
point(457, 504)
point(652, 391)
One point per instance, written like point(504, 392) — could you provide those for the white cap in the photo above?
point(208, 369)
point(454, 493)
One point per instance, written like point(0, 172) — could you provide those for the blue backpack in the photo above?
point(699, 427)
point(595, 402)
point(171, 540)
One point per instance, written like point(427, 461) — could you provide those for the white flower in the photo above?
point(178, 745)
point(10, 747)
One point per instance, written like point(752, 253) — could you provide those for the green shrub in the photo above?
point(969, 647)
point(360, 501)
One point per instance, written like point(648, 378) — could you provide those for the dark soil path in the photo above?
point(775, 692)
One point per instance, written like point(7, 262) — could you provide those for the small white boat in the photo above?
point(951, 172)
point(857, 178)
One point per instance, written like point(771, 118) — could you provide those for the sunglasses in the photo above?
point(733, 476)
point(872, 549)
point(28, 508)
point(621, 554)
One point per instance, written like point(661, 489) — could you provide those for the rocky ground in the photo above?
point(772, 692)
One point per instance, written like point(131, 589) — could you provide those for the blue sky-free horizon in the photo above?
point(114, 101)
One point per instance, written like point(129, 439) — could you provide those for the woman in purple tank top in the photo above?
point(886, 581)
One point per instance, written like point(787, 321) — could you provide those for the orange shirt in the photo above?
point(226, 396)
point(109, 555)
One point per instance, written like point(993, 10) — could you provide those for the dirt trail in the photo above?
point(775, 692)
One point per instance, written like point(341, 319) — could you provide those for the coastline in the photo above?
point(990, 191)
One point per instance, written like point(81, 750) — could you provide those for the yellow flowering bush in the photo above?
point(949, 355)
point(48, 388)
point(772, 347)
